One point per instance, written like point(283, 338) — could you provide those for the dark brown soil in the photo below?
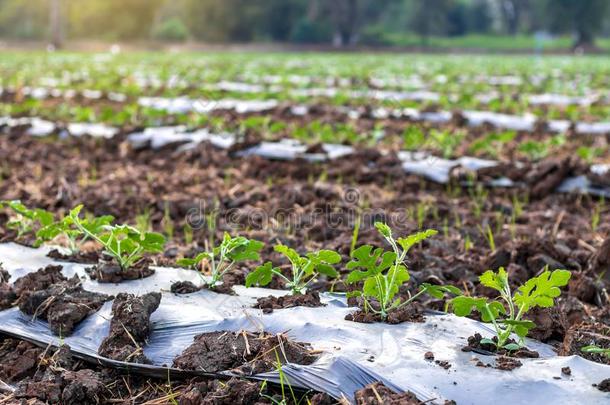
point(39, 280)
point(184, 287)
point(604, 385)
point(268, 304)
point(80, 257)
point(113, 273)
point(587, 334)
point(378, 394)
point(19, 360)
point(507, 363)
point(53, 376)
point(4, 275)
point(129, 327)
point(243, 352)
point(234, 391)
point(409, 313)
point(7, 296)
point(475, 345)
point(63, 305)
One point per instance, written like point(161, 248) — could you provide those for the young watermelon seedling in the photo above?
point(123, 243)
point(384, 272)
point(224, 257)
point(539, 291)
point(305, 269)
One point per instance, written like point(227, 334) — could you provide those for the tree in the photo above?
point(583, 17)
point(55, 23)
point(429, 17)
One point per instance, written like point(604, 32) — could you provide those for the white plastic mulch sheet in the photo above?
point(438, 170)
point(354, 354)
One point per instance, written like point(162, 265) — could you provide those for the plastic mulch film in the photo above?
point(353, 354)
point(438, 170)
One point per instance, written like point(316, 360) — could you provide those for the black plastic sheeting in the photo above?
point(353, 354)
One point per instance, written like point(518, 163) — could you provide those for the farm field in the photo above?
point(304, 228)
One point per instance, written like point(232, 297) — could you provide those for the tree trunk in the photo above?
point(55, 23)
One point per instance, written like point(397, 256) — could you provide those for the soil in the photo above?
point(129, 327)
point(604, 385)
point(184, 287)
point(53, 376)
point(113, 273)
point(63, 305)
point(475, 345)
point(378, 394)
point(242, 352)
point(507, 363)
point(39, 280)
point(268, 304)
point(413, 312)
point(587, 334)
point(89, 257)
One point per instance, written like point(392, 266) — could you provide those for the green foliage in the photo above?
point(539, 291)
point(124, 243)
point(223, 258)
point(594, 349)
point(172, 29)
point(383, 272)
point(305, 269)
point(26, 220)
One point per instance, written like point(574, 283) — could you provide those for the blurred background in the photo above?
point(487, 25)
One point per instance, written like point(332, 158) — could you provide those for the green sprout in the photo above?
point(224, 257)
point(383, 272)
point(305, 269)
point(539, 291)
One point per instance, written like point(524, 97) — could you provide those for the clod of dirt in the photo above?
point(7, 296)
point(39, 280)
point(4, 275)
point(566, 370)
point(475, 345)
point(18, 360)
point(129, 327)
point(184, 287)
point(63, 305)
point(546, 176)
point(551, 324)
point(113, 273)
point(268, 304)
point(429, 356)
point(507, 363)
point(378, 394)
point(586, 334)
point(83, 387)
point(234, 391)
point(243, 352)
point(604, 385)
point(444, 364)
point(79, 257)
point(409, 313)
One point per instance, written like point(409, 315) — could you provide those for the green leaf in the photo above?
point(542, 290)
point(290, 253)
point(411, 240)
point(246, 250)
point(329, 256)
point(384, 229)
point(439, 291)
point(262, 275)
point(152, 242)
point(512, 347)
point(521, 327)
point(497, 281)
point(463, 306)
point(487, 341)
point(364, 259)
